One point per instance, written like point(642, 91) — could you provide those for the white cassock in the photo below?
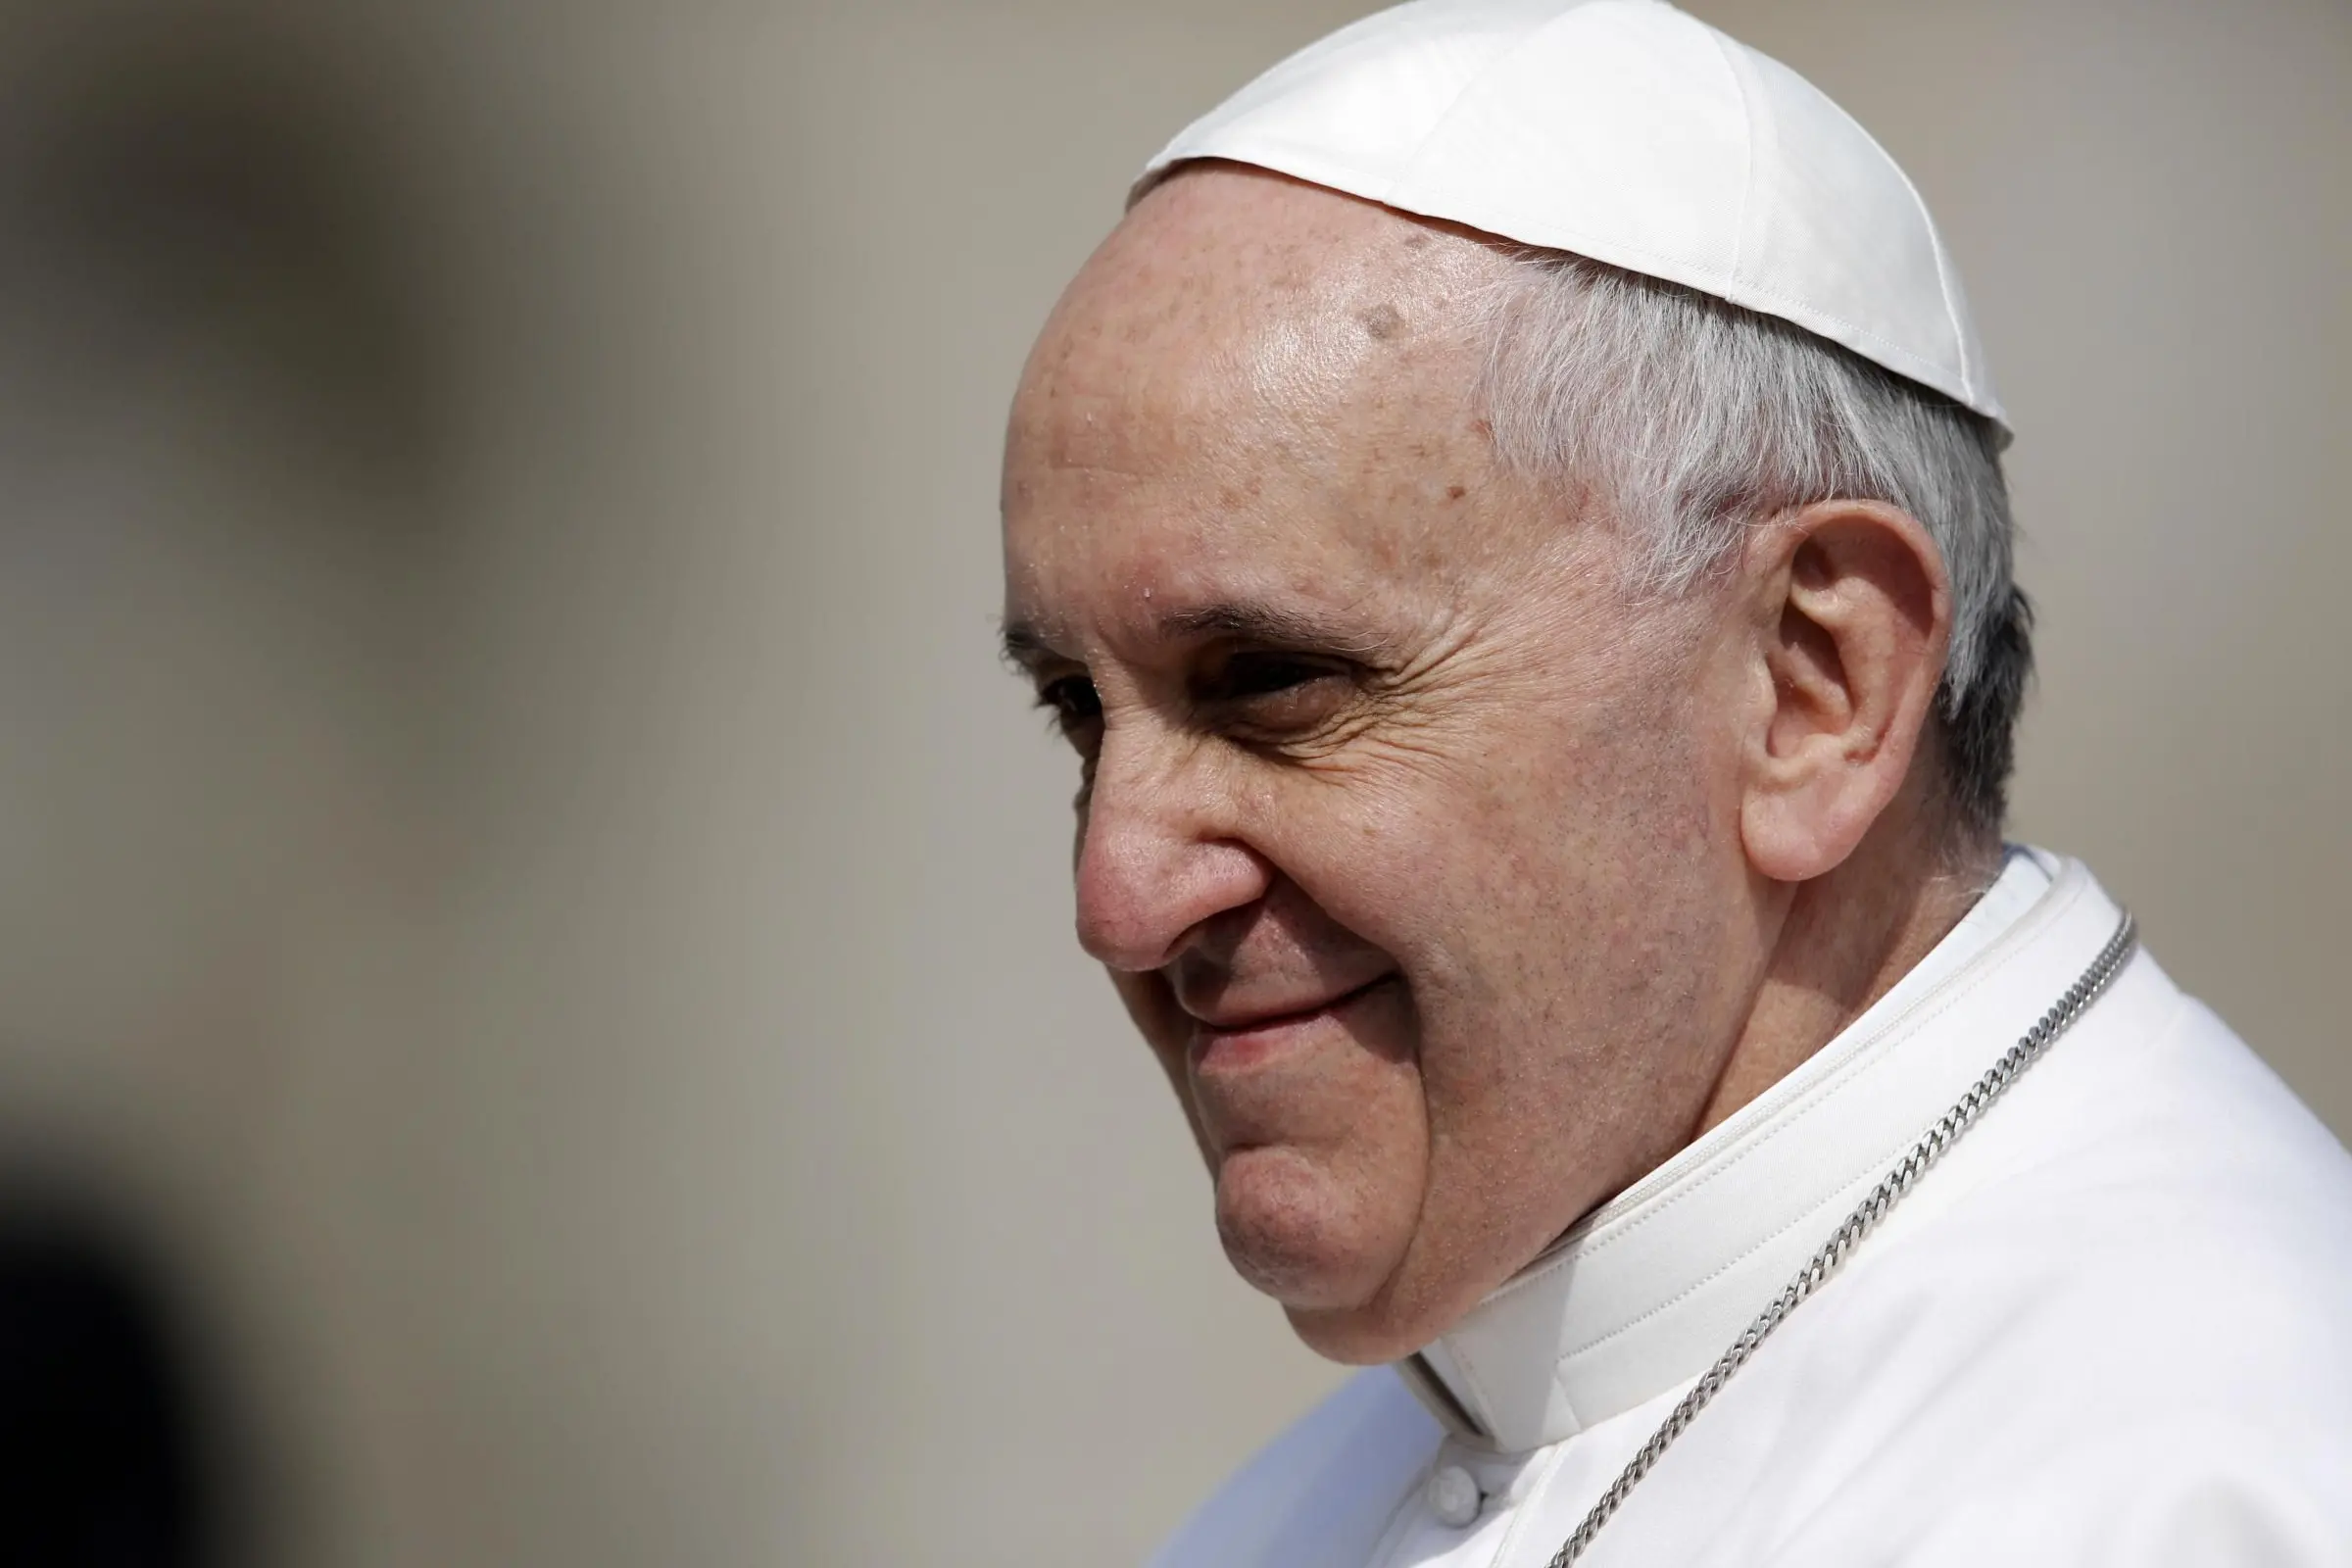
point(2112, 1326)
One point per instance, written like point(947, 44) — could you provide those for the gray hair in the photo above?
point(1691, 419)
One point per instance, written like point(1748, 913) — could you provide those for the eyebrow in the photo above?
point(1025, 646)
point(1269, 624)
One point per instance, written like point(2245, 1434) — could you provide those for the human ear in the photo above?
point(1853, 620)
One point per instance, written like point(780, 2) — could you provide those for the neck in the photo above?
point(1844, 941)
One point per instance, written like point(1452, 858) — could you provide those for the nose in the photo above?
point(1157, 853)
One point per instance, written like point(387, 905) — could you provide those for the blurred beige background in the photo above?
point(521, 883)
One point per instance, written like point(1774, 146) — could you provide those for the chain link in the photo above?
point(1925, 1152)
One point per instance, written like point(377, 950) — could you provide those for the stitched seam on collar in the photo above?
point(1856, 1175)
point(1868, 1054)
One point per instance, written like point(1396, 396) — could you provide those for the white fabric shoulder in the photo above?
point(2111, 1332)
point(1298, 1504)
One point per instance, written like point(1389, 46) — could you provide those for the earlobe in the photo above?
point(1853, 618)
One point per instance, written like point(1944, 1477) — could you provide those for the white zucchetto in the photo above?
point(1630, 133)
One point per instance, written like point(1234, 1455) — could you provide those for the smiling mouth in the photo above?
point(1273, 1021)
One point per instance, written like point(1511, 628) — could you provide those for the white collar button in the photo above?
point(1454, 1497)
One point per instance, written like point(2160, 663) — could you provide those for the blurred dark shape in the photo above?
point(213, 174)
point(100, 1448)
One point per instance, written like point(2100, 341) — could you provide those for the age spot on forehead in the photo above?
point(1382, 322)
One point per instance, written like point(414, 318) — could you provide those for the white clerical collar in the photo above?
point(1645, 1291)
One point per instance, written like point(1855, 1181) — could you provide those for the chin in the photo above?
point(1294, 1232)
point(1362, 1335)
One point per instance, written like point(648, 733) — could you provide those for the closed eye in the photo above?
point(1264, 674)
point(1073, 701)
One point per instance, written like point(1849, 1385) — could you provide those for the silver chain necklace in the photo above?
point(1898, 1181)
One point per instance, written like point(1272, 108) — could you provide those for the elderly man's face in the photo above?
point(1399, 833)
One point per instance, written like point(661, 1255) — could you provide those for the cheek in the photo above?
point(1562, 921)
point(1544, 891)
point(1531, 851)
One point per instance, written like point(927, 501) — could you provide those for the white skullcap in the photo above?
point(1628, 132)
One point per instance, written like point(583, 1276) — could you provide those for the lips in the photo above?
point(1229, 1038)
